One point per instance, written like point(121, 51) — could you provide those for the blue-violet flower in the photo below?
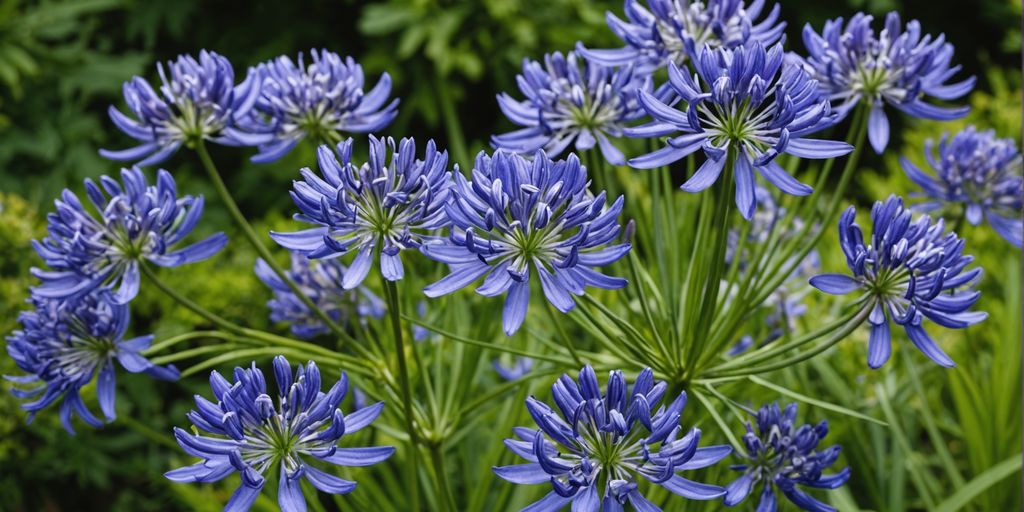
point(380, 206)
point(978, 174)
point(64, 345)
point(136, 222)
point(321, 100)
point(854, 64)
point(246, 433)
point(744, 106)
point(783, 456)
point(907, 272)
point(320, 280)
point(518, 214)
point(595, 446)
point(671, 31)
point(197, 100)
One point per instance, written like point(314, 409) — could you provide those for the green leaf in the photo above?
point(817, 403)
point(980, 483)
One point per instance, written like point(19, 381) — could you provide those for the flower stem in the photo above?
point(562, 335)
point(444, 490)
point(261, 248)
point(395, 314)
point(451, 120)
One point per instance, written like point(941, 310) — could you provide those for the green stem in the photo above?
point(147, 432)
point(562, 335)
point(444, 490)
point(453, 127)
point(261, 248)
point(395, 314)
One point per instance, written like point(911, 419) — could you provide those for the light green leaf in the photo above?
point(817, 403)
point(980, 483)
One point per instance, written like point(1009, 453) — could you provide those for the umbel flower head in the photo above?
point(64, 345)
point(198, 99)
point(320, 100)
point(977, 174)
point(908, 271)
point(136, 221)
point(595, 447)
point(672, 31)
point(783, 457)
point(569, 102)
point(747, 106)
point(320, 280)
point(895, 67)
point(245, 432)
point(518, 218)
point(381, 206)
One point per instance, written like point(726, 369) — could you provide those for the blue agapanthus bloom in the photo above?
point(569, 102)
point(671, 31)
point(382, 206)
point(901, 68)
point(908, 271)
point(518, 368)
point(783, 457)
point(320, 280)
point(519, 217)
point(129, 222)
point(198, 99)
point(750, 103)
point(245, 432)
point(979, 175)
point(64, 345)
point(595, 447)
point(321, 100)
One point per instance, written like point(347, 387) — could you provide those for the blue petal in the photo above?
point(878, 128)
point(879, 345)
point(326, 482)
point(289, 493)
point(705, 176)
point(461, 276)
point(105, 390)
point(359, 268)
point(367, 456)
point(522, 473)
point(817, 148)
point(746, 199)
point(586, 500)
point(552, 502)
point(692, 490)
point(835, 284)
point(516, 303)
point(927, 346)
point(738, 490)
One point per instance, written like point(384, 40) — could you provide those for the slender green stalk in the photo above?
point(456, 140)
point(170, 342)
point(395, 314)
point(261, 248)
point(562, 335)
point(444, 489)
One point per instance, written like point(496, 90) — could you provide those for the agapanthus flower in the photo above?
point(901, 68)
point(747, 106)
point(783, 457)
point(978, 174)
point(569, 102)
point(380, 206)
point(519, 217)
point(320, 280)
point(136, 222)
point(244, 432)
point(321, 100)
point(671, 31)
point(593, 449)
point(908, 271)
point(64, 345)
point(197, 100)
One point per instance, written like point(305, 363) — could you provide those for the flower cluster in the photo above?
point(320, 280)
point(569, 105)
point(64, 345)
point(247, 434)
point(978, 173)
point(517, 215)
point(670, 31)
point(279, 103)
point(595, 446)
point(382, 206)
point(782, 456)
point(320, 101)
point(900, 68)
point(744, 106)
point(198, 99)
point(908, 271)
point(137, 222)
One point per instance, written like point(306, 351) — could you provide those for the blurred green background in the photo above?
point(62, 63)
